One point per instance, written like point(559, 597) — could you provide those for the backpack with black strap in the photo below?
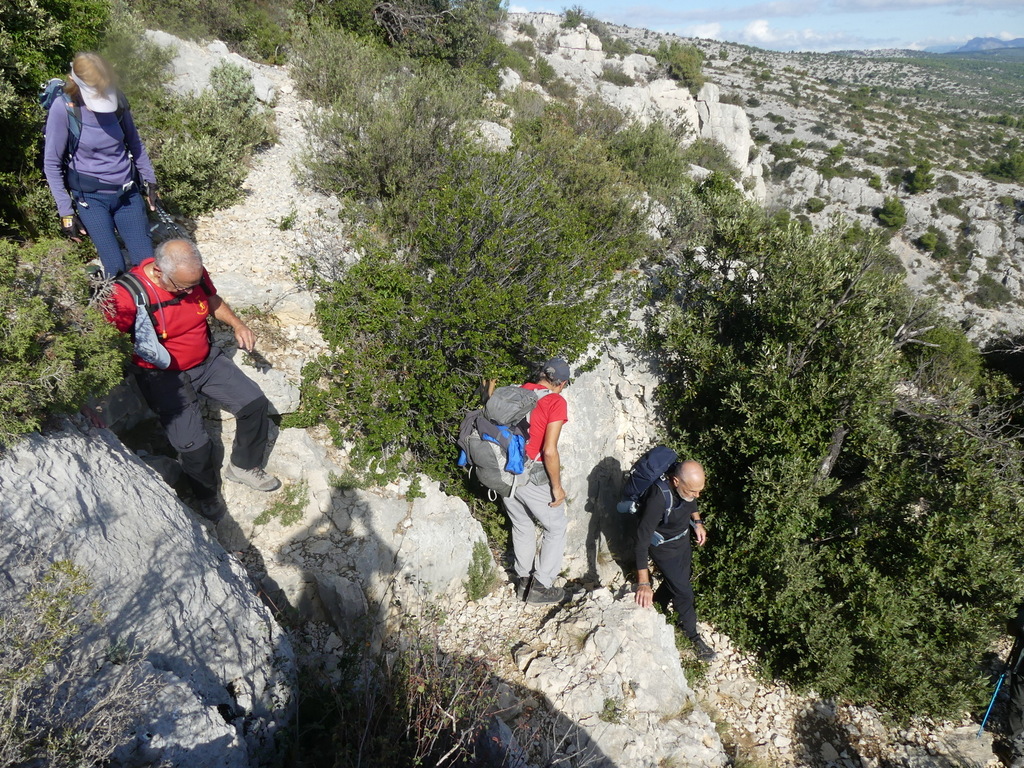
point(493, 439)
point(145, 338)
point(52, 90)
point(648, 471)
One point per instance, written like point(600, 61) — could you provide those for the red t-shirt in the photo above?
point(181, 327)
point(551, 407)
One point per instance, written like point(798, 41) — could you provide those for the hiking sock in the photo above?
point(251, 425)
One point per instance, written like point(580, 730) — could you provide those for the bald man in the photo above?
point(665, 538)
point(182, 297)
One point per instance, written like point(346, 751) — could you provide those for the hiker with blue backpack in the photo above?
point(667, 512)
point(541, 497)
point(93, 159)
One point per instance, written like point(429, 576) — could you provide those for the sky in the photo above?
point(812, 25)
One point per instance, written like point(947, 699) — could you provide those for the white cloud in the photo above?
point(707, 31)
point(761, 33)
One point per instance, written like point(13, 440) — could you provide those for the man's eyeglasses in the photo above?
point(179, 288)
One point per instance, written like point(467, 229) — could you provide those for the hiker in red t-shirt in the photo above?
point(542, 496)
point(182, 296)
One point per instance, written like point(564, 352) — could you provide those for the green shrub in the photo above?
point(708, 153)
point(490, 236)
point(616, 76)
point(1008, 168)
point(921, 179)
point(543, 72)
point(481, 577)
point(389, 129)
point(200, 146)
point(892, 214)
point(653, 153)
point(683, 63)
point(952, 206)
point(55, 349)
point(256, 28)
point(928, 241)
point(37, 40)
point(990, 293)
point(839, 498)
point(815, 205)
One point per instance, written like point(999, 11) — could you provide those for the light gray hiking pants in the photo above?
point(533, 500)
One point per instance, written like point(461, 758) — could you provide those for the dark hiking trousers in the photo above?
point(673, 560)
point(174, 397)
point(1015, 707)
point(102, 213)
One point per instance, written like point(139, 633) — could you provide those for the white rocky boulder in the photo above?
point(224, 668)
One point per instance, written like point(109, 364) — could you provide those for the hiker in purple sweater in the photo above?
point(96, 183)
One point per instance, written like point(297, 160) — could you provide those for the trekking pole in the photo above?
point(1014, 651)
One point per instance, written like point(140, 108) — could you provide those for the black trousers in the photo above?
point(1016, 708)
point(673, 559)
point(174, 397)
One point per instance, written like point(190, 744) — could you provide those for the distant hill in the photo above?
point(989, 44)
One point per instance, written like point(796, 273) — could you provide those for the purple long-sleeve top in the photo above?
point(102, 151)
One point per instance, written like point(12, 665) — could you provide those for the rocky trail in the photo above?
point(572, 677)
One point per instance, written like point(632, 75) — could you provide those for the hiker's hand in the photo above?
point(701, 533)
point(72, 228)
point(557, 496)
point(152, 196)
point(246, 338)
point(644, 596)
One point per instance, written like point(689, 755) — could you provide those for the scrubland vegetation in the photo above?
point(865, 470)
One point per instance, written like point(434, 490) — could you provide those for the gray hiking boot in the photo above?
point(538, 594)
point(522, 584)
point(254, 478)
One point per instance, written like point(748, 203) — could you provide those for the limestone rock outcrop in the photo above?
point(224, 667)
point(193, 62)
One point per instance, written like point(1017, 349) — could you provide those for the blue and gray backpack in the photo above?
point(492, 440)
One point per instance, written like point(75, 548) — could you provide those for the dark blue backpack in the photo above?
point(648, 471)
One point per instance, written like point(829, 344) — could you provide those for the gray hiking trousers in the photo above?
point(533, 500)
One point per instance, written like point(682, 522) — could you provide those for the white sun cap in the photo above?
point(94, 98)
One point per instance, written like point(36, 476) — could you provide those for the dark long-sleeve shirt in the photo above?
point(651, 513)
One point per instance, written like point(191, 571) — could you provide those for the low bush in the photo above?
point(55, 349)
point(990, 293)
point(683, 63)
point(59, 704)
point(892, 214)
point(653, 153)
point(200, 145)
point(391, 122)
point(708, 153)
point(614, 75)
point(815, 205)
point(1008, 168)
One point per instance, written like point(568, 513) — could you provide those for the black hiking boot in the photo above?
point(702, 650)
point(522, 585)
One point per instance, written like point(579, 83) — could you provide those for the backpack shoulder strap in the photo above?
point(666, 494)
point(135, 288)
point(74, 125)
